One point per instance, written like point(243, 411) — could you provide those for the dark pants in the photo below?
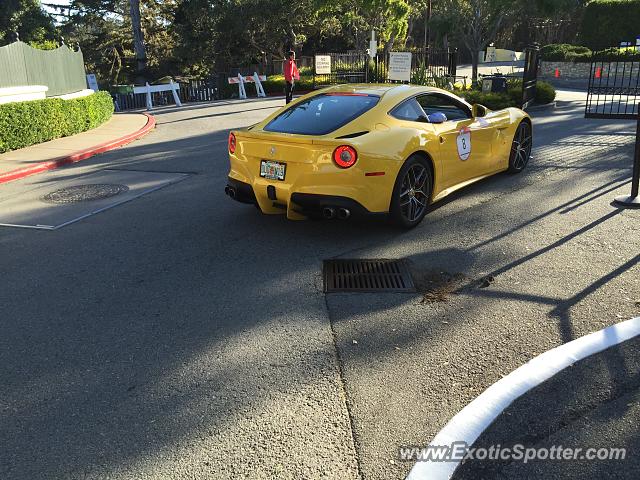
point(289, 91)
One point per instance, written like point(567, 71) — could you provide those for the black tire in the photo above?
point(412, 192)
point(521, 148)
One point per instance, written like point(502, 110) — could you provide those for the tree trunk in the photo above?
point(138, 41)
point(389, 45)
point(474, 65)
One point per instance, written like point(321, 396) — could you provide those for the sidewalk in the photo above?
point(121, 129)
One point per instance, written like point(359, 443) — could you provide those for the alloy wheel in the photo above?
point(413, 196)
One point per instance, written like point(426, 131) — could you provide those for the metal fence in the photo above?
point(614, 93)
point(345, 68)
point(614, 89)
point(193, 91)
point(530, 75)
point(62, 69)
point(427, 66)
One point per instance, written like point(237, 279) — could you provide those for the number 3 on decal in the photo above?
point(464, 143)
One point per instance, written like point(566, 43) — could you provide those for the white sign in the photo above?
point(92, 82)
point(373, 48)
point(400, 66)
point(464, 143)
point(323, 64)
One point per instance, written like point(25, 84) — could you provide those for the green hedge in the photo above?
point(545, 93)
point(606, 23)
point(563, 52)
point(27, 123)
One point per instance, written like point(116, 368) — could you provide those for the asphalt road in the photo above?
point(183, 335)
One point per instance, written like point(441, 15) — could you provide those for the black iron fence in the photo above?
point(530, 75)
point(614, 93)
point(192, 91)
point(345, 68)
point(614, 88)
point(428, 66)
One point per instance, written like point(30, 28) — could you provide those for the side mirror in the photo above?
point(478, 110)
point(437, 117)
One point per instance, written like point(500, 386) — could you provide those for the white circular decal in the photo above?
point(464, 143)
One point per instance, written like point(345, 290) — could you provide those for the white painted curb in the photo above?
point(473, 419)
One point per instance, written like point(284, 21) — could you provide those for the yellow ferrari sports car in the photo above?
point(372, 149)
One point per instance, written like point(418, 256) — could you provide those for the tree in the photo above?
point(104, 29)
point(138, 40)
point(26, 18)
point(475, 23)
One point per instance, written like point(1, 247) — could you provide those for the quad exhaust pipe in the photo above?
point(230, 191)
point(343, 213)
point(331, 212)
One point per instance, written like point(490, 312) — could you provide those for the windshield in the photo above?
point(322, 114)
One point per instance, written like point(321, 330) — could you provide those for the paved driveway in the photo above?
point(182, 335)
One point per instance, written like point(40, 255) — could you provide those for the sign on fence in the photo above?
point(323, 64)
point(92, 82)
point(400, 66)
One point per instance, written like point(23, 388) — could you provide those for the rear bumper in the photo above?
point(243, 191)
point(309, 204)
point(303, 204)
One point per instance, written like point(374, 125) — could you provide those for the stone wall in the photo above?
point(582, 71)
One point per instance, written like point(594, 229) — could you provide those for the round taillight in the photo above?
point(345, 156)
point(232, 142)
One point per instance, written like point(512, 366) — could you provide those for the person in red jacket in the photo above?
point(290, 74)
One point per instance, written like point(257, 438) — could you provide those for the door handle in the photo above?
point(441, 139)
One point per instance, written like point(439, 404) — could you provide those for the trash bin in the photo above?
point(122, 89)
point(494, 83)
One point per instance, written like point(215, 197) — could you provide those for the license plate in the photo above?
point(272, 170)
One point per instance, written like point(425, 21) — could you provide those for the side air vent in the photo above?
point(354, 135)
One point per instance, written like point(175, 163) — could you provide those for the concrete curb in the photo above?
point(468, 424)
point(79, 155)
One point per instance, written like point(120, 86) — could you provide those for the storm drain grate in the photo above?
point(359, 275)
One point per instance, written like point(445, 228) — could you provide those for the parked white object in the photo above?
point(165, 87)
point(255, 78)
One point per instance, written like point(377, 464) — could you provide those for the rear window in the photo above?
point(322, 114)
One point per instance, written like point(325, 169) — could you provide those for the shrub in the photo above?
point(563, 52)
point(615, 54)
point(275, 84)
point(606, 23)
point(545, 93)
point(493, 101)
point(27, 123)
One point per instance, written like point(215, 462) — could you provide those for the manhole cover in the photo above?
point(367, 276)
point(84, 193)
